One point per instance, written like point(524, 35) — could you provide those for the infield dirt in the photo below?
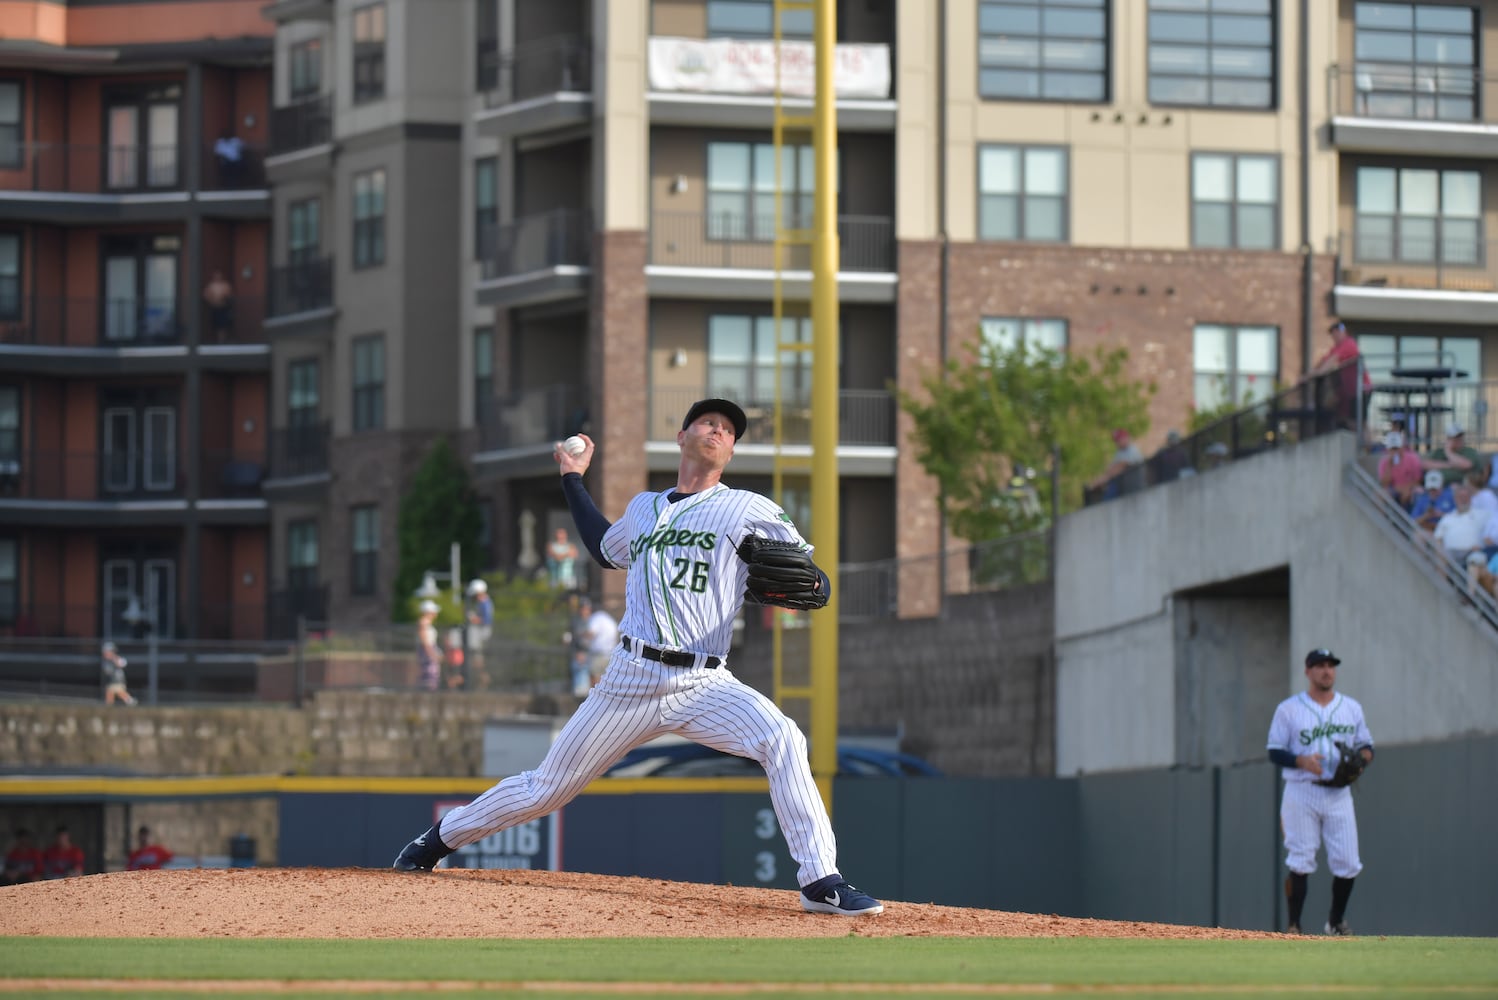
point(380, 903)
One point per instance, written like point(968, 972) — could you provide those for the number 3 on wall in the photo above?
point(764, 866)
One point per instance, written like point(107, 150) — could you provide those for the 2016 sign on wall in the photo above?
point(533, 845)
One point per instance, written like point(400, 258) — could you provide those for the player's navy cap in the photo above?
point(1316, 656)
point(728, 408)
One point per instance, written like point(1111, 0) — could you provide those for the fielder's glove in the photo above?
point(1349, 768)
point(781, 574)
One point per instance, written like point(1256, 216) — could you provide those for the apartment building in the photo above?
point(508, 220)
point(133, 407)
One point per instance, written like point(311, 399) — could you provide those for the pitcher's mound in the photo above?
point(380, 903)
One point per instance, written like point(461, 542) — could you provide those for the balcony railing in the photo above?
point(301, 125)
point(1426, 254)
point(560, 64)
point(240, 321)
point(288, 605)
point(735, 240)
point(108, 475)
point(1412, 92)
point(299, 288)
point(225, 174)
point(532, 416)
point(53, 321)
point(865, 416)
point(299, 451)
point(81, 169)
point(560, 237)
point(235, 475)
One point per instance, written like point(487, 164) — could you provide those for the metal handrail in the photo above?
point(1430, 559)
point(1410, 92)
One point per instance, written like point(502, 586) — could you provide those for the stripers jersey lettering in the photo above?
point(1304, 727)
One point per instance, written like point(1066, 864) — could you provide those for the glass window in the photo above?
point(1415, 61)
point(369, 383)
point(365, 522)
point(301, 555)
point(741, 189)
point(306, 69)
point(10, 564)
point(755, 19)
point(1234, 364)
point(369, 53)
point(1235, 201)
point(741, 359)
point(1212, 53)
point(1419, 215)
point(10, 425)
point(369, 219)
point(1005, 335)
point(486, 45)
point(1022, 193)
point(11, 123)
point(483, 372)
point(485, 206)
point(1032, 49)
point(303, 231)
point(10, 276)
point(1385, 352)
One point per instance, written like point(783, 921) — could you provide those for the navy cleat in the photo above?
point(834, 895)
point(422, 854)
point(1338, 929)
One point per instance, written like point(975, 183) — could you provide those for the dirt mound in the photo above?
point(379, 903)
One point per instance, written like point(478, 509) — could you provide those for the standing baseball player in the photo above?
point(1322, 741)
point(691, 554)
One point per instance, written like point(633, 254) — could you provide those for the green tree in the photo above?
point(440, 508)
point(977, 423)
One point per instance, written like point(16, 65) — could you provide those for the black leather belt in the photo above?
point(672, 657)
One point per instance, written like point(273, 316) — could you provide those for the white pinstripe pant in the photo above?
point(638, 700)
point(1311, 814)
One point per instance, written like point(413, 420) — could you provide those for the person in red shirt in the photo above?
point(62, 858)
point(1342, 358)
point(147, 856)
point(23, 862)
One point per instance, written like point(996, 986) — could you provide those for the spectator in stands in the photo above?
point(1172, 462)
point(1483, 497)
point(1400, 470)
point(1456, 459)
point(1126, 457)
point(1342, 358)
point(62, 858)
point(219, 295)
point(428, 653)
point(229, 152)
point(113, 666)
point(1460, 532)
point(1433, 502)
point(1483, 575)
point(1213, 455)
point(23, 862)
point(148, 855)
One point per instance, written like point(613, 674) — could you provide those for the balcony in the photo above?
point(1442, 276)
point(730, 256)
point(290, 605)
point(301, 298)
point(299, 459)
point(1424, 110)
point(535, 259)
point(516, 432)
point(546, 85)
point(730, 83)
point(129, 488)
point(866, 428)
point(69, 183)
point(301, 139)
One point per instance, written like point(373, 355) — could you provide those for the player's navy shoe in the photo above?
point(422, 854)
point(1338, 929)
point(834, 895)
point(1293, 929)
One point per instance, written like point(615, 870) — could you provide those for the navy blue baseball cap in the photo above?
point(729, 409)
point(1316, 656)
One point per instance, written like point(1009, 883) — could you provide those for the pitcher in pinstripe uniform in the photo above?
point(1303, 739)
point(668, 674)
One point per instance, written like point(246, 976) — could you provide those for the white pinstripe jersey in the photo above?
point(686, 581)
point(1304, 727)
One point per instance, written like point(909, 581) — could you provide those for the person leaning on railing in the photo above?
point(1342, 357)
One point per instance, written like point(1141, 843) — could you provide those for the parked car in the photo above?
point(692, 760)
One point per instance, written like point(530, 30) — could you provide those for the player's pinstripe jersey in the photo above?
point(1304, 727)
point(686, 581)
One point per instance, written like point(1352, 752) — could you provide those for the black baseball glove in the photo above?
point(1349, 768)
point(781, 574)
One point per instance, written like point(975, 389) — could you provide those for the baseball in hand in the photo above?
point(574, 445)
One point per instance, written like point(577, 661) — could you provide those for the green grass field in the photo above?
point(825, 967)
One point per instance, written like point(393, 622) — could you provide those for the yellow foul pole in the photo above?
point(824, 402)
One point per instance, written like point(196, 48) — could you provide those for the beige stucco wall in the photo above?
point(621, 113)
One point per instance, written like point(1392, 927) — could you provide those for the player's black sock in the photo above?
point(1295, 895)
point(1341, 890)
